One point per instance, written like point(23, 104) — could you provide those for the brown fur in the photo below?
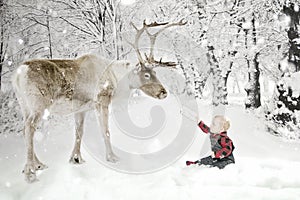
point(54, 78)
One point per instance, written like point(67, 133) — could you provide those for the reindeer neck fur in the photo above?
point(118, 69)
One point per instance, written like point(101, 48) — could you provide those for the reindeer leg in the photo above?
point(76, 155)
point(38, 165)
point(102, 114)
point(30, 127)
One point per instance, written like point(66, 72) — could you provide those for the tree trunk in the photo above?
point(1, 76)
point(1, 54)
point(1, 40)
point(49, 37)
point(200, 82)
point(219, 94)
point(118, 26)
point(188, 89)
point(293, 35)
point(224, 81)
point(253, 86)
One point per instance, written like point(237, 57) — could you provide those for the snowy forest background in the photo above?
point(229, 49)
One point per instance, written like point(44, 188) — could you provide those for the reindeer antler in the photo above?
point(152, 37)
point(139, 32)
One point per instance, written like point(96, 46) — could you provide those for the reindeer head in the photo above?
point(144, 77)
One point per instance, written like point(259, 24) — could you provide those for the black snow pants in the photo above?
point(217, 162)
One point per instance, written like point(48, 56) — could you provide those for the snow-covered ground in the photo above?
point(266, 168)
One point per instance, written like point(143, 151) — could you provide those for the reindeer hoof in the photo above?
point(30, 175)
point(76, 159)
point(112, 158)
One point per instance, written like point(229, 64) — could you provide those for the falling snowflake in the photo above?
point(20, 41)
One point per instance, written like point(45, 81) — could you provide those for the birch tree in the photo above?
point(253, 86)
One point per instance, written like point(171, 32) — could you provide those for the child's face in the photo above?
point(217, 124)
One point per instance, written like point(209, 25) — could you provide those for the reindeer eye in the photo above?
point(147, 76)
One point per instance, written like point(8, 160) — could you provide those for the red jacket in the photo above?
point(221, 144)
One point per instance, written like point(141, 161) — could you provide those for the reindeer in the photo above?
point(74, 86)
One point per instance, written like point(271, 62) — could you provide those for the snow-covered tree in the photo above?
point(253, 86)
point(97, 24)
point(283, 111)
point(291, 9)
point(40, 20)
point(5, 23)
point(244, 34)
point(8, 26)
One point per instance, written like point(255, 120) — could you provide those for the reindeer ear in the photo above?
point(137, 69)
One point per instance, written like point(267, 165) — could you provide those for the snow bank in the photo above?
point(266, 168)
